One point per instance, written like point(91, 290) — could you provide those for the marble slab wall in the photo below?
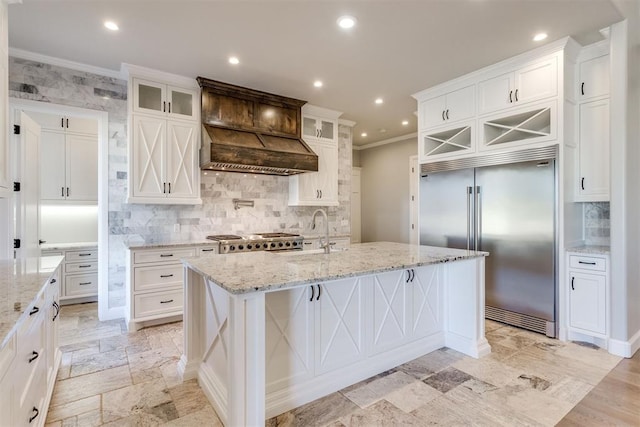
point(135, 223)
point(597, 223)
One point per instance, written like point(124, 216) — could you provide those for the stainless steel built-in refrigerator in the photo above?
point(509, 211)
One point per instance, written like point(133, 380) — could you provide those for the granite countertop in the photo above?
point(591, 249)
point(68, 246)
point(261, 271)
point(21, 282)
point(170, 244)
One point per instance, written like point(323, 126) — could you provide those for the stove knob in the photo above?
point(265, 245)
point(273, 245)
point(288, 244)
point(249, 246)
point(232, 248)
point(280, 244)
point(295, 244)
point(240, 247)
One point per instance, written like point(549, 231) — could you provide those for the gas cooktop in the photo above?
point(231, 243)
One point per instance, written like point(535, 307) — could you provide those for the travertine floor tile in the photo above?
point(188, 397)
point(447, 379)
point(72, 409)
point(153, 358)
point(147, 399)
point(86, 364)
point(84, 386)
point(320, 412)
point(378, 389)
point(433, 362)
point(382, 413)
point(412, 396)
point(204, 417)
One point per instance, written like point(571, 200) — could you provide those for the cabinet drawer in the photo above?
point(81, 267)
point(7, 354)
point(167, 255)
point(158, 303)
point(30, 359)
point(78, 256)
point(587, 263)
point(150, 278)
point(207, 250)
point(81, 285)
point(33, 315)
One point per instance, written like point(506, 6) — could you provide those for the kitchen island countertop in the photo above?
point(21, 281)
point(263, 271)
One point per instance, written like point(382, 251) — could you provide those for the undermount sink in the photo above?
point(310, 251)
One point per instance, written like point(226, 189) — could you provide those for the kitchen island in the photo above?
point(267, 332)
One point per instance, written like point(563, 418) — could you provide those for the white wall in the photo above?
point(385, 191)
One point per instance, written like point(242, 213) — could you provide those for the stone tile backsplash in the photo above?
point(137, 223)
point(596, 223)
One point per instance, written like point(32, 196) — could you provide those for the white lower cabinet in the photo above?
point(29, 361)
point(155, 278)
point(317, 330)
point(588, 294)
point(339, 320)
point(79, 280)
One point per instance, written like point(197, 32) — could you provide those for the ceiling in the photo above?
point(397, 48)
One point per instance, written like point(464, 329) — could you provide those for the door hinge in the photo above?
point(412, 170)
point(413, 198)
point(16, 129)
point(16, 186)
point(16, 243)
point(413, 227)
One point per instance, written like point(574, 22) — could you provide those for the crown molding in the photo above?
point(38, 57)
point(386, 141)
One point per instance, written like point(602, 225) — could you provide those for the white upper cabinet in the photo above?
point(320, 132)
point(536, 81)
point(452, 107)
point(164, 148)
point(68, 157)
point(593, 80)
point(593, 168)
point(162, 99)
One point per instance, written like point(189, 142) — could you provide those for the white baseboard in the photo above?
point(625, 348)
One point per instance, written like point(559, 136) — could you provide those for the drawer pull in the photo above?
point(84, 254)
point(34, 356)
point(207, 250)
point(35, 415)
point(164, 276)
point(587, 263)
point(84, 283)
point(53, 281)
point(84, 266)
point(33, 311)
point(166, 302)
point(57, 307)
point(165, 255)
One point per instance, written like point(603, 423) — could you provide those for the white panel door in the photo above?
point(587, 302)
point(148, 157)
point(82, 167)
point(28, 202)
point(339, 311)
point(182, 160)
point(433, 111)
point(327, 174)
point(389, 313)
point(424, 302)
point(52, 166)
point(493, 94)
point(289, 337)
point(593, 177)
point(460, 104)
point(594, 78)
point(536, 81)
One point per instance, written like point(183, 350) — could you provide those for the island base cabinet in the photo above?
point(257, 355)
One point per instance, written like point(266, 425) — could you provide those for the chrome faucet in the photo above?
point(324, 245)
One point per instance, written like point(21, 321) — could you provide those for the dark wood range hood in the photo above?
point(245, 130)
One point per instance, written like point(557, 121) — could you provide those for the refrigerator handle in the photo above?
point(469, 191)
point(478, 233)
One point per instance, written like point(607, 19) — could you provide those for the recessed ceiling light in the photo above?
point(234, 60)
point(317, 83)
point(539, 37)
point(347, 22)
point(111, 25)
point(379, 101)
point(363, 134)
point(405, 122)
